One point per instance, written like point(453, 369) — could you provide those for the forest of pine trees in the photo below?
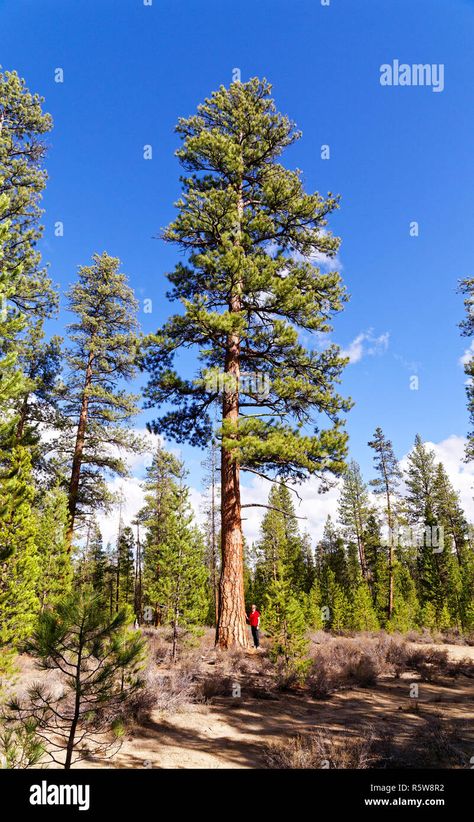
point(398, 554)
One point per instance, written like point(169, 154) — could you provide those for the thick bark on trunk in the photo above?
point(78, 452)
point(231, 622)
point(231, 629)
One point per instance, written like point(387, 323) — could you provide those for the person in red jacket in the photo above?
point(254, 620)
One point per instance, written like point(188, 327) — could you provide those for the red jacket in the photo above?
point(253, 618)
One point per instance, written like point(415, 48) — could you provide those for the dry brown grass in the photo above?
point(318, 750)
point(434, 744)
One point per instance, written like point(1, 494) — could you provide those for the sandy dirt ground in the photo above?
point(230, 732)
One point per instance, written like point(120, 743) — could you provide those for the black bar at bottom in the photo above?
point(152, 794)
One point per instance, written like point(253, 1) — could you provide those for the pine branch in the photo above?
point(272, 508)
point(276, 482)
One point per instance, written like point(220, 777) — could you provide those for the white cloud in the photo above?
point(325, 262)
point(366, 344)
point(468, 355)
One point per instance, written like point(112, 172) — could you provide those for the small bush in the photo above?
point(465, 667)
point(212, 686)
point(423, 636)
point(159, 646)
point(428, 662)
point(286, 679)
point(345, 663)
point(396, 652)
point(236, 661)
point(364, 671)
point(261, 692)
point(167, 693)
point(173, 691)
point(453, 636)
point(139, 706)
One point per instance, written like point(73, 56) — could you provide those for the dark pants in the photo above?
point(255, 635)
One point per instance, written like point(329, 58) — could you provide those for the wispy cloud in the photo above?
point(413, 366)
point(366, 344)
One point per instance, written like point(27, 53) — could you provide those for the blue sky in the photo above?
point(398, 154)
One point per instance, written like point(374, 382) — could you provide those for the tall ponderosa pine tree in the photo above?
point(420, 504)
point(381, 569)
point(23, 127)
point(330, 553)
point(100, 360)
point(386, 484)
point(420, 481)
point(449, 512)
point(249, 286)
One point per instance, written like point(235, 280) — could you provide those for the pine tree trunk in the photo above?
point(78, 451)
point(231, 622)
point(117, 584)
point(231, 627)
point(22, 420)
point(138, 580)
point(362, 559)
point(77, 708)
point(175, 634)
